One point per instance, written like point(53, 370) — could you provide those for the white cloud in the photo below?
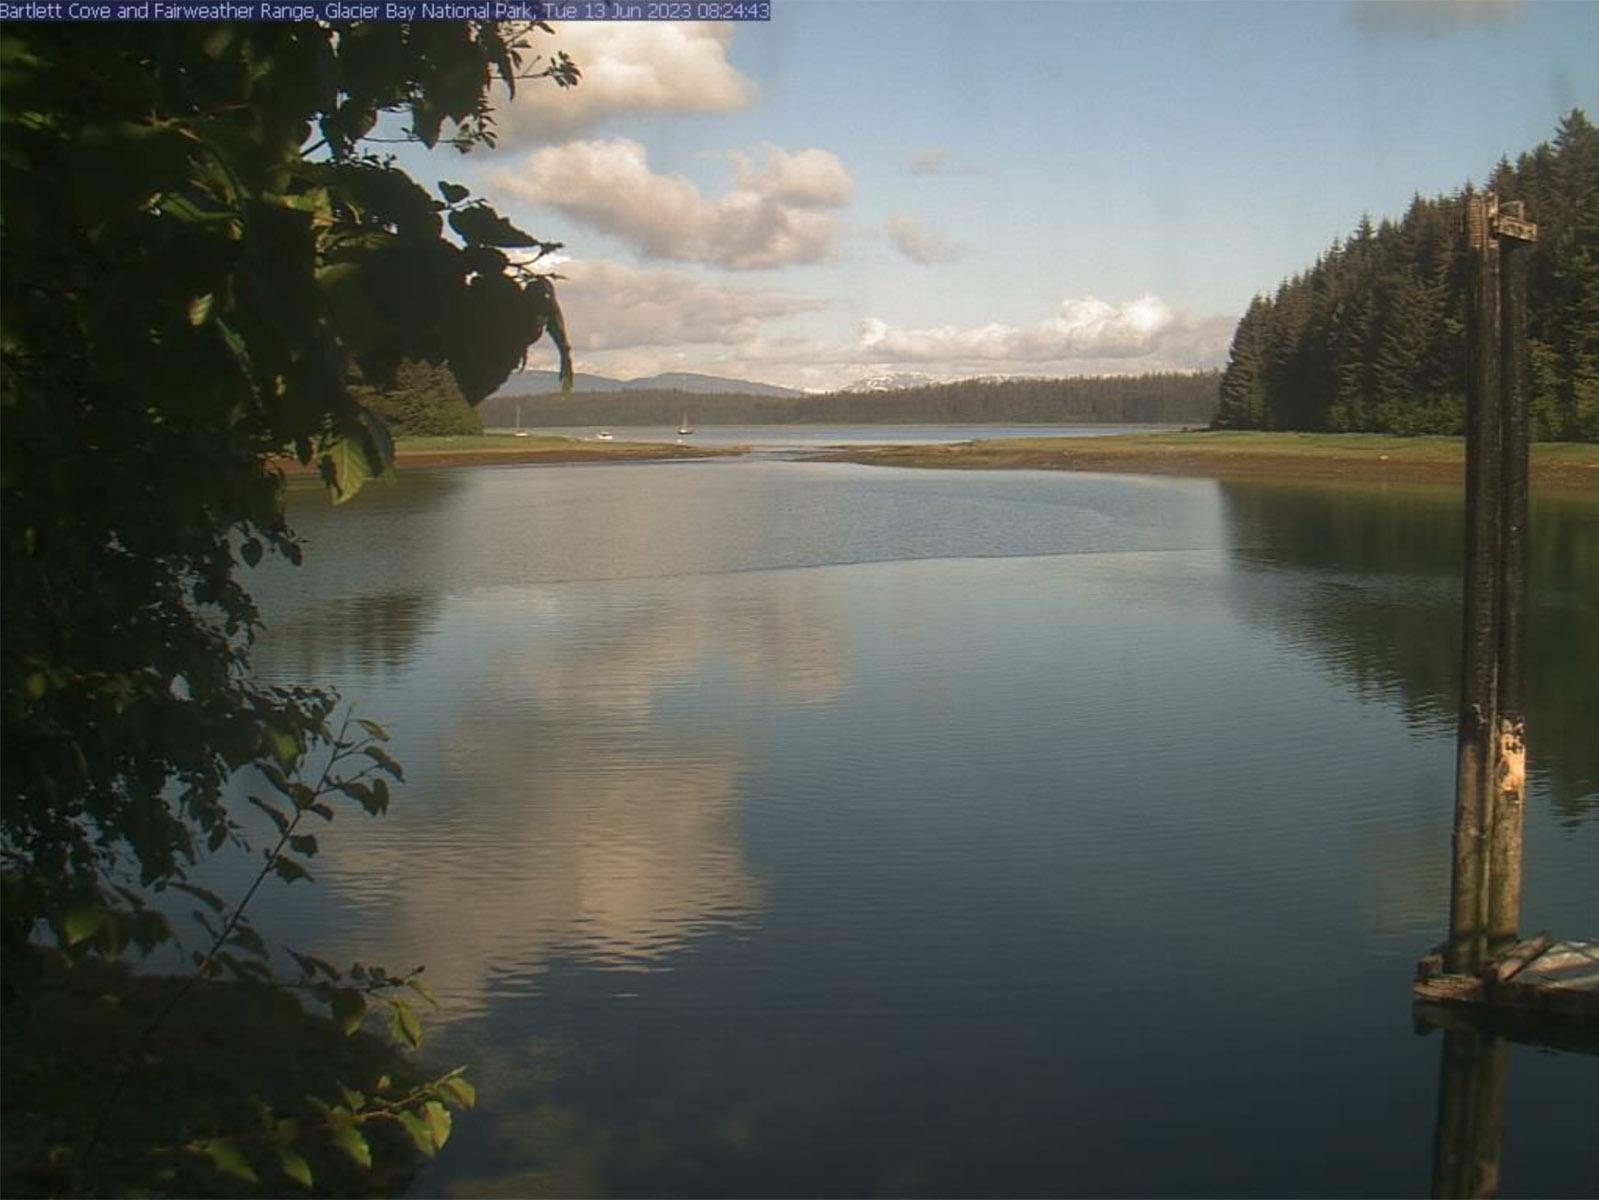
point(810, 178)
point(929, 161)
point(629, 67)
point(1080, 329)
point(918, 243)
point(609, 306)
point(773, 216)
point(1429, 18)
point(1083, 337)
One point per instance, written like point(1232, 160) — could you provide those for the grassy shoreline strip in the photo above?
point(502, 450)
point(1359, 457)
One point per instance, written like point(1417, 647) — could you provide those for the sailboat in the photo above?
point(519, 431)
point(685, 427)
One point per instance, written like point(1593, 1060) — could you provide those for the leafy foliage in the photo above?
point(1372, 337)
point(200, 256)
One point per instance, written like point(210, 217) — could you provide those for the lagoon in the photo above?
point(779, 828)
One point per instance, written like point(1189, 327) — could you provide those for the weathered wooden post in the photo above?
point(1516, 237)
point(1465, 950)
point(1490, 770)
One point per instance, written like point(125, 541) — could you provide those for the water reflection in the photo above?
point(575, 780)
point(1472, 1078)
point(962, 824)
point(1382, 609)
point(378, 633)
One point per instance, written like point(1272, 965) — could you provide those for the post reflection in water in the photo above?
point(1472, 1079)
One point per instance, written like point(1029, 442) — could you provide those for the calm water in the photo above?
point(783, 828)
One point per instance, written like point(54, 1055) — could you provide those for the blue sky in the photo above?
point(952, 189)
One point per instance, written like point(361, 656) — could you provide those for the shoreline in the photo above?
point(493, 450)
point(1353, 458)
point(1225, 454)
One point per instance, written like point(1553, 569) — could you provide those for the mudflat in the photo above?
point(1355, 457)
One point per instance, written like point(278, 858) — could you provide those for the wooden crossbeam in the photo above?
point(1516, 228)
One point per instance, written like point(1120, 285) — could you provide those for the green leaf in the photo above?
point(278, 817)
point(118, 168)
point(480, 225)
point(453, 193)
point(311, 964)
point(420, 1134)
point(438, 1119)
point(82, 923)
point(354, 1099)
point(35, 685)
point(422, 989)
point(345, 469)
point(208, 897)
point(380, 797)
point(289, 869)
point(303, 843)
point(295, 1166)
point(349, 1007)
point(285, 745)
point(245, 937)
point(404, 1028)
point(348, 1138)
point(373, 728)
point(200, 309)
point(555, 322)
point(454, 1086)
point(250, 551)
point(227, 1158)
point(385, 760)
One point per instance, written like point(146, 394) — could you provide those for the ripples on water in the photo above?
point(788, 828)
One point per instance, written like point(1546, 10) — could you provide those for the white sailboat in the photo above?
point(519, 431)
point(684, 427)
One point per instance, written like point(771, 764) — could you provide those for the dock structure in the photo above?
point(1539, 977)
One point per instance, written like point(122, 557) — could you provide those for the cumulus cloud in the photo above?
point(1080, 329)
point(609, 306)
point(629, 67)
point(1429, 18)
point(1082, 337)
point(918, 243)
point(812, 178)
point(774, 215)
point(929, 161)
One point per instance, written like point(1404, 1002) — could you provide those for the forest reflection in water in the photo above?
point(1384, 613)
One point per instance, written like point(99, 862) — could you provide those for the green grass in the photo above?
point(1310, 445)
point(495, 441)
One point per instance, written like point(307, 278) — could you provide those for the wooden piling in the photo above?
point(1491, 755)
point(1475, 767)
point(1510, 791)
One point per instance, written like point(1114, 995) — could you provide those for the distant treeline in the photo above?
point(1173, 398)
point(1372, 336)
